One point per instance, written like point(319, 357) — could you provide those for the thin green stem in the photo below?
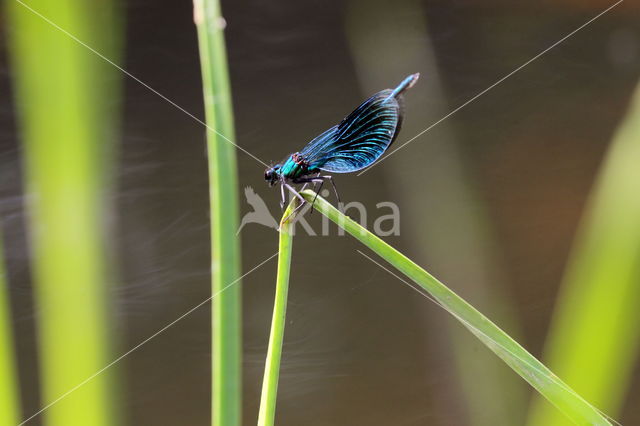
point(225, 250)
point(514, 355)
point(274, 353)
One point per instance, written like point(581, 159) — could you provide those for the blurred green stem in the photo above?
point(225, 247)
point(593, 342)
point(274, 353)
point(9, 389)
point(521, 361)
point(65, 95)
point(457, 221)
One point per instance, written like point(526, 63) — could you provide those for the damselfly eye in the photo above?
point(271, 176)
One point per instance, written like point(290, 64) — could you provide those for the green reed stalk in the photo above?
point(225, 246)
point(595, 335)
point(267, 413)
point(9, 389)
point(64, 95)
point(514, 355)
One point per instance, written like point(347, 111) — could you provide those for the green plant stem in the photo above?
point(595, 335)
point(9, 390)
point(521, 361)
point(225, 246)
point(64, 94)
point(267, 413)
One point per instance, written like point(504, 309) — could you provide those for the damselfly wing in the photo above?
point(357, 142)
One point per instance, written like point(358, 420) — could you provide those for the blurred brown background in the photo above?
point(360, 347)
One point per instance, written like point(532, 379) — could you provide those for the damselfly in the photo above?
point(354, 144)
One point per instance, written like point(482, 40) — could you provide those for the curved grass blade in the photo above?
point(514, 355)
point(267, 413)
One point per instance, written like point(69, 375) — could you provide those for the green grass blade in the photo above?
point(521, 361)
point(9, 390)
point(64, 93)
point(593, 342)
point(225, 250)
point(267, 412)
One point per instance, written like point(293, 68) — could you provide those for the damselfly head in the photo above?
point(272, 175)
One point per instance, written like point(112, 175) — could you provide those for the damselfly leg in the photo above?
point(320, 179)
point(297, 195)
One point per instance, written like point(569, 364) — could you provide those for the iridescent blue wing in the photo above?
point(319, 146)
point(362, 137)
point(359, 140)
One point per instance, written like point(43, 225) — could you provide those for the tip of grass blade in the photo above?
point(289, 216)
